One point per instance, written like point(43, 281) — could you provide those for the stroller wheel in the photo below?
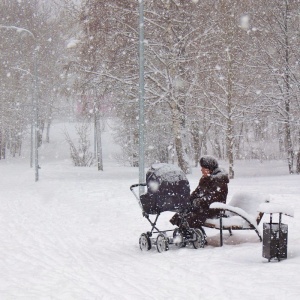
point(198, 239)
point(145, 243)
point(178, 238)
point(162, 243)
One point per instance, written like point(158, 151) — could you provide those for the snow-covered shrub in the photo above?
point(80, 154)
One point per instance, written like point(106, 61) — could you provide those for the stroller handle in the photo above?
point(136, 185)
point(136, 196)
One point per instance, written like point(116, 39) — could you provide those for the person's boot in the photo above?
point(185, 230)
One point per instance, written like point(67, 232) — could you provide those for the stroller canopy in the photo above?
point(167, 189)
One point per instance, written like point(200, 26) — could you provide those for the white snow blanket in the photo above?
point(168, 172)
point(272, 208)
point(242, 206)
point(74, 235)
point(249, 202)
point(235, 220)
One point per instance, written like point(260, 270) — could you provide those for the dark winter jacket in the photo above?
point(213, 188)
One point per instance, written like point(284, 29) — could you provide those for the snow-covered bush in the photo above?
point(80, 154)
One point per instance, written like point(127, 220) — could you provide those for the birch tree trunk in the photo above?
point(98, 142)
point(230, 123)
point(176, 103)
point(196, 142)
point(287, 123)
point(49, 121)
point(178, 138)
point(298, 156)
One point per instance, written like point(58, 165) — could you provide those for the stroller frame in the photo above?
point(181, 236)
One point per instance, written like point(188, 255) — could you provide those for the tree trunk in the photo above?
point(40, 132)
point(204, 144)
point(183, 164)
point(4, 144)
point(1, 143)
point(238, 142)
point(99, 142)
point(298, 156)
point(287, 124)
point(217, 146)
point(230, 133)
point(135, 143)
point(196, 141)
point(281, 140)
point(298, 162)
point(49, 121)
point(289, 146)
point(230, 147)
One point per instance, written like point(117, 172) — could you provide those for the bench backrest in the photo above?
point(249, 202)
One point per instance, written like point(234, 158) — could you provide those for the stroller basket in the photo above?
point(167, 190)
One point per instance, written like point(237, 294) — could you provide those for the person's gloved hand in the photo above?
point(197, 202)
point(200, 203)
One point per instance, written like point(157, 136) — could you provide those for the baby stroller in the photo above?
point(167, 190)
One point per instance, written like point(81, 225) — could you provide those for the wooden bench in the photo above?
point(241, 213)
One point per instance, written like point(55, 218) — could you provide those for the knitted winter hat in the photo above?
point(209, 162)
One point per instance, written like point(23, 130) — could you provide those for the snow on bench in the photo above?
point(272, 208)
point(242, 211)
point(243, 219)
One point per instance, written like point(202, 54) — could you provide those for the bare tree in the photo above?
point(80, 153)
point(226, 82)
point(278, 40)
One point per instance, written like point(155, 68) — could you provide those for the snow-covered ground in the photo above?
point(74, 235)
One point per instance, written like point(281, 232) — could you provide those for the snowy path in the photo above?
point(74, 235)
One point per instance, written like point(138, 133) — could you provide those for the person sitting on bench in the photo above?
point(212, 187)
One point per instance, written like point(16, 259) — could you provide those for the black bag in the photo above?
point(167, 189)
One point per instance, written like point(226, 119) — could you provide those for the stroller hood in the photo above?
point(167, 189)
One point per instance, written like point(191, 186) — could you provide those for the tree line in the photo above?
point(221, 77)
